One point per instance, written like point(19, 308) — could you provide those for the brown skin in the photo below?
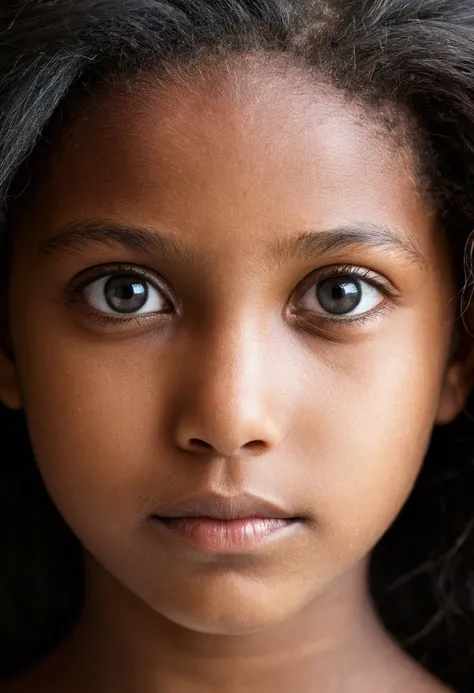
point(328, 419)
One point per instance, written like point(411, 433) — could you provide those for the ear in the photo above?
point(458, 380)
point(10, 391)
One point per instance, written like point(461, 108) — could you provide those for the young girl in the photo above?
point(235, 242)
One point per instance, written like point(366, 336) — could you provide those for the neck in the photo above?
point(122, 645)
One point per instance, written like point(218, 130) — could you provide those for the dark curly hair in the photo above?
point(411, 60)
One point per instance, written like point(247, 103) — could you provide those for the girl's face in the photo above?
point(229, 300)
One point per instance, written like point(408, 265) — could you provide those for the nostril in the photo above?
point(253, 447)
point(256, 446)
point(198, 443)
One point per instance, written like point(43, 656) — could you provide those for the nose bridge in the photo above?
point(235, 364)
point(230, 405)
point(232, 382)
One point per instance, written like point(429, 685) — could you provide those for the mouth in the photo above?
point(226, 524)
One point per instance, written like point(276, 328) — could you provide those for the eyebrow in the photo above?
point(139, 239)
point(357, 236)
point(306, 245)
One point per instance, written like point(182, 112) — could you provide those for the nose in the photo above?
point(230, 406)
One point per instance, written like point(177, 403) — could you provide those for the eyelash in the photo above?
point(376, 280)
point(82, 280)
point(386, 288)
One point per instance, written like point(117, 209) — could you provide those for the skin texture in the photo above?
point(329, 420)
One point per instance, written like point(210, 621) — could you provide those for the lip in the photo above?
point(226, 524)
point(217, 507)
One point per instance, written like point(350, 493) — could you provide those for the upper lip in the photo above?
point(217, 507)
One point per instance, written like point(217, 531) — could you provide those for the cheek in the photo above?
point(364, 437)
point(96, 418)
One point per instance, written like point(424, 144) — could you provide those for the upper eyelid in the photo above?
point(91, 274)
point(103, 270)
point(361, 273)
point(96, 272)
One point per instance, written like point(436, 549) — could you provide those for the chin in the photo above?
point(223, 622)
point(228, 608)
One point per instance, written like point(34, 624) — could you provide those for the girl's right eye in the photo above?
point(125, 295)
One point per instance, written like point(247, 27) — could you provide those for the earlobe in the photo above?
point(455, 390)
point(10, 391)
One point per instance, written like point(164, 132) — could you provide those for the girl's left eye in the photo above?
point(341, 296)
point(124, 294)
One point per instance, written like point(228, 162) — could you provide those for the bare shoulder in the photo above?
point(435, 687)
point(397, 672)
point(423, 684)
point(27, 684)
point(417, 682)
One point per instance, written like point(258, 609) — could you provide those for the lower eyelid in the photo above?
point(318, 320)
point(126, 324)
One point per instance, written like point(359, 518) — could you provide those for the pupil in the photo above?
point(126, 294)
point(339, 295)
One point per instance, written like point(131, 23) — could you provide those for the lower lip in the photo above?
point(226, 535)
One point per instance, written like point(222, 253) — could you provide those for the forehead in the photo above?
point(248, 148)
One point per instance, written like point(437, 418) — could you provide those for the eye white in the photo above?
point(124, 295)
point(341, 296)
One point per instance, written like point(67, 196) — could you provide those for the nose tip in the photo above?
point(229, 431)
point(230, 406)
